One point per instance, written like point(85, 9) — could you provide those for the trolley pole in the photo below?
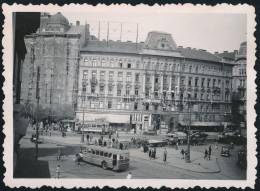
point(188, 148)
point(37, 112)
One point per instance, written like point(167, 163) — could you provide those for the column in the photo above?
point(143, 84)
point(178, 87)
point(161, 91)
point(152, 92)
point(170, 87)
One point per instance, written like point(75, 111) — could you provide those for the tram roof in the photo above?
point(106, 149)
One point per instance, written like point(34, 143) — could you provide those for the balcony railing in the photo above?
point(93, 81)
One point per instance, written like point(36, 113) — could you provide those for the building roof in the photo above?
point(76, 29)
point(59, 19)
point(227, 55)
point(113, 46)
point(198, 54)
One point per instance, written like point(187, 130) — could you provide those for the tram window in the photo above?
point(121, 157)
point(93, 152)
point(110, 155)
point(105, 154)
point(89, 150)
point(101, 153)
point(97, 152)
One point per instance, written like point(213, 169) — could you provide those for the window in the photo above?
point(202, 82)
point(202, 70)
point(182, 80)
point(164, 79)
point(94, 75)
point(105, 154)
point(127, 105)
point(147, 107)
point(101, 104)
point(202, 96)
point(120, 64)
point(119, 105)
point(137, 65)
point(156, 67)
point(93, 152)
point(183, 68)
point(84, 88)
point(196, 82)
point(109, 105)
point(93, 89)
point(110, 90)
point(97, 152)
point(128, 77)
point(137, 77)
point(190, 79)
point(195, 95)
point(196, 69)
point(136, 90)
point(135, 106)
point(85, 61)
point(119, 91)
point(156, 79)
point(92, 105)
point(102, 75)
point(112, 63)
point(101, 89)
point(190, 68)
point(103, 63)
point(120, 77)
point(101, 153)
point(129, 65)
point(111, 76)
point(208, 96)
point(219, 82)
point(147, 92)
point(94, 62)
point(127, 92)
point(227, 83)
point(85, 74)
point(214, 83)
point(156, 93)
point(147, 78)
point(208, 84)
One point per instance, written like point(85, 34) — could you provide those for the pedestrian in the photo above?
point(150, 153)
point(209, 151)
point(129, 176)
point(164, 155)
point(109, 136)
point(206, 154)
point(216, 144)
point(105, 143)
point(57, 172)
point(154, 153)
point(113, 139)
point(95, 142)
point(87, 137)
point(58, 155)
point(182, 153)
point(121, 146)
point(79, 157)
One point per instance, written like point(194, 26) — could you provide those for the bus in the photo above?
point(96, 127)
point(108, 158)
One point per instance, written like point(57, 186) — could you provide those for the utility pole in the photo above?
point(188, 148)
point(37, 112)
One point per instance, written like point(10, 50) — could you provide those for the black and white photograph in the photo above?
point(110, 93)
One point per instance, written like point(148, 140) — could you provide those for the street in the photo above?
point(140, 165)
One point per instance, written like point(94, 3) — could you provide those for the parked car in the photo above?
point(150, 132)
point(33, 139)
point(225, 151)
point(180, 136)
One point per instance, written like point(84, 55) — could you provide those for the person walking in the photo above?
point(209, 151)
point(121, 146)
point(154, 153)
point(164, 155)
point(206, 154)
point(150, 153)
point(129, 176)
point(216, 144)
point(87, 137)
point(57, 172)
point(182, 153)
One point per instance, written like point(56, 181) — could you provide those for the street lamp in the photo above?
point(188, 147)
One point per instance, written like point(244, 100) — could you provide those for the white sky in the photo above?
point(212, 32)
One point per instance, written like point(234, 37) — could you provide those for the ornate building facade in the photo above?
point(52, 61)
point(127, 84)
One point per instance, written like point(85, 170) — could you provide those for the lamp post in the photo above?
point(188, 146)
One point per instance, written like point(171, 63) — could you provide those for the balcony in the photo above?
point(241, 88)
point(93, 81)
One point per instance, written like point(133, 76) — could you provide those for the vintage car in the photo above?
point(33, 139)
point(225, 151)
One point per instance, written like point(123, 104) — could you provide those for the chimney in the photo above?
point(216, 52)
point(235, 51)
point(203, 50)
point(225, 51)
point(188, 47)
point(180, 46)
point(77, 23)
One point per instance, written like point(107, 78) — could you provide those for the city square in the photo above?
point(122, 99)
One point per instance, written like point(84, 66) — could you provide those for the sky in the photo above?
point(214, 32)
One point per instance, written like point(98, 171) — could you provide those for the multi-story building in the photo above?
point(239, 81)
point(52, 61)
point(127, 84)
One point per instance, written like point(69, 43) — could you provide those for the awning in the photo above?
point(198, 123)
point(110, 118)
